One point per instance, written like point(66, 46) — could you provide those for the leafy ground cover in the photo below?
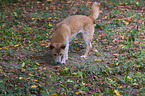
point(115, 66)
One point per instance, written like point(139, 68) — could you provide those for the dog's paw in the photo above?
point(84, 56)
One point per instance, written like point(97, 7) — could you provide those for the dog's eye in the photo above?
point(55, 54)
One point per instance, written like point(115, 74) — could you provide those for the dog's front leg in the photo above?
point(65, 56)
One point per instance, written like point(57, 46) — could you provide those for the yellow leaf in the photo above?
point(23, 64)
point(5, 48)
point(33, 86)
point(77, 75)
point(106, 17)
point(42, 44)
point(56, 17)
point(20, 78)
point(100, 11)
point(74, 73)
point(37, 63)
point(142, 34)
point(97, 60)
point(33, 18)
point(125, 22)
point(84, 57)
point(123, 36)
point(49, 24)
point(129, 77)
point(16, 45)
point(117, 92)
point(49, 0)
point(36, 80)
point(117, 63)
point(50, 18)
point(38, 2)
point(30, 74)
point(15, 14)
point(120, 87)
point(95, 50)
point(65, 69)
point(138, 66)
point(46, 8)
point(122, 46)
point(23, 70)
point(77, 93)
point(54, 94)
point(116, 54)
point(77, 49)
point(137, 3)
point(83, 92)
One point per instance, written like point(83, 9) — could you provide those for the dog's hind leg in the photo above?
point(87, 36)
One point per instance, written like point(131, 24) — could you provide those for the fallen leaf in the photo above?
point(95, 50)
point(117, 92)
point(20, 78)
point(49, 25)
point(97, 60)
point(23, 64)
point(137, 3)
point(66, 69)
point(100, 11)
point(50, 18)
point(77, 93)
point(74, 73)
point(46, 8)
point(129, 77)
point(33, 86)
point(37, 63)
point(36, 80)
point(23, 70)
point(15, 14)
point(16, 45)
point(54, 94)
point(5, 48)
point(116, 54)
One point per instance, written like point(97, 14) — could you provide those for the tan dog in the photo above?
point(66, 31)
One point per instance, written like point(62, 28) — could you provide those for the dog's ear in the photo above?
point(63, 46)
point(51, 47)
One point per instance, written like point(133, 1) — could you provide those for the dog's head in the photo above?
point(57, 51)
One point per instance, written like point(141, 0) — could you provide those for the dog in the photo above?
point(67, 30)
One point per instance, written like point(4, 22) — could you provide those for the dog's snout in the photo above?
point(58, 62)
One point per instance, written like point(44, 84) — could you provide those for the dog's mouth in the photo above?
point(57, 60)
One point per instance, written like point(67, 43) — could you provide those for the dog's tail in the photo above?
point(95, 11)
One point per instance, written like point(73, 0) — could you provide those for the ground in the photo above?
point(115, 65)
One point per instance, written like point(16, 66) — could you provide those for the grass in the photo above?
point(115, 65)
